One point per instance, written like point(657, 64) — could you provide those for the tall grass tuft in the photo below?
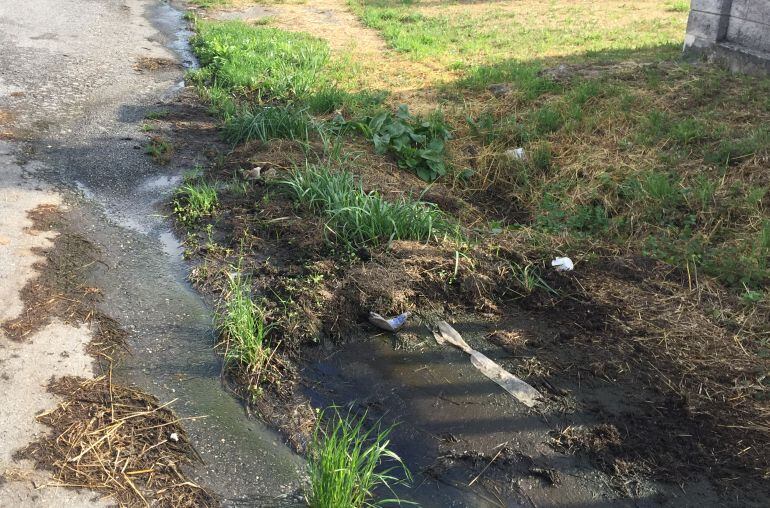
point(243, 327)
point(345, 462)
point(359, 218)
point(269, 122)
point(195, 200)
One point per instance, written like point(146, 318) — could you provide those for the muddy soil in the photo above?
point(621, 424)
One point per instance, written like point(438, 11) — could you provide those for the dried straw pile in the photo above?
point(117, 440)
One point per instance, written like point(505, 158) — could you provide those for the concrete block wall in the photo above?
point(733, 32)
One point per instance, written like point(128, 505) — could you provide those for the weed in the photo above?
point(529, 279)
point(547, 119)
point(730, 151)
point(347, 462)
point(157, 114)
point(417, 143)
point(689, 131)
point(160, 149)
point(243, 327)
point(541, 156)
point(359, 218)
point(269, 122)
point(194, 201)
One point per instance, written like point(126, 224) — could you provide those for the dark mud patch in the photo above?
point(620, 347)
point(119, 441)
point(61, 290)
point(146, 63)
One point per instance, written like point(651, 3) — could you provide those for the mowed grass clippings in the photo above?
point(118, 441)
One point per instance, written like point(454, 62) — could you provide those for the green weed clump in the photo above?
point(160, 149)
point(269, 122)
point(418, 144)
point(195, 200)
point(243, 327)
point(347, 463)
point(358, 218)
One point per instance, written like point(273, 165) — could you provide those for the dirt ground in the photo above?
point(651, 400)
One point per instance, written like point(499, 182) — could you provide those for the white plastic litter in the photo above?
point(562, 264)
point(174, 436)
point(390, 325)
point(524, 392)
point(516, 154)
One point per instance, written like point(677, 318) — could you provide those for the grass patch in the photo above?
point(358, 218)
point(462, 36)
point(266, 64)
point(193, 201)
point(157, 114)
point(160, 149)
point(243, 327)
point(348, 463)
point(270, 122)
point(678, 5)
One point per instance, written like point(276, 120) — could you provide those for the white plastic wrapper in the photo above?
point(390, 325)
point(562, 264)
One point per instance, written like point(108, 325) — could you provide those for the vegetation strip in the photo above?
point(644, 169)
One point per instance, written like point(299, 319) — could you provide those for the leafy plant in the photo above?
point(345, 462)
point(417, 143)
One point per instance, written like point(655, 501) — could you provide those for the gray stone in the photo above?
point(735, 33)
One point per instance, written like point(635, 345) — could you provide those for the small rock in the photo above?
point(253, 173)
point(499, 89)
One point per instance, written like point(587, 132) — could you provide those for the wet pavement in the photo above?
point(77, 98)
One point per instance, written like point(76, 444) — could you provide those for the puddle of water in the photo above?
point(160, 183)
point(171, 24)
point(171, 246)
point(171, 343)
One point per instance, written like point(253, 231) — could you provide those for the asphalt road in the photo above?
point(72, 100)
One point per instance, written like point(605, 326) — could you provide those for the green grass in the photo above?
point(462, 36)
point(348, 462)
point(243, 327)
point(270, 122)
point(678, 5)
point(160, 149)
point(157, 114)
point(267, 64)
point(357, 218)
point(195, 200)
